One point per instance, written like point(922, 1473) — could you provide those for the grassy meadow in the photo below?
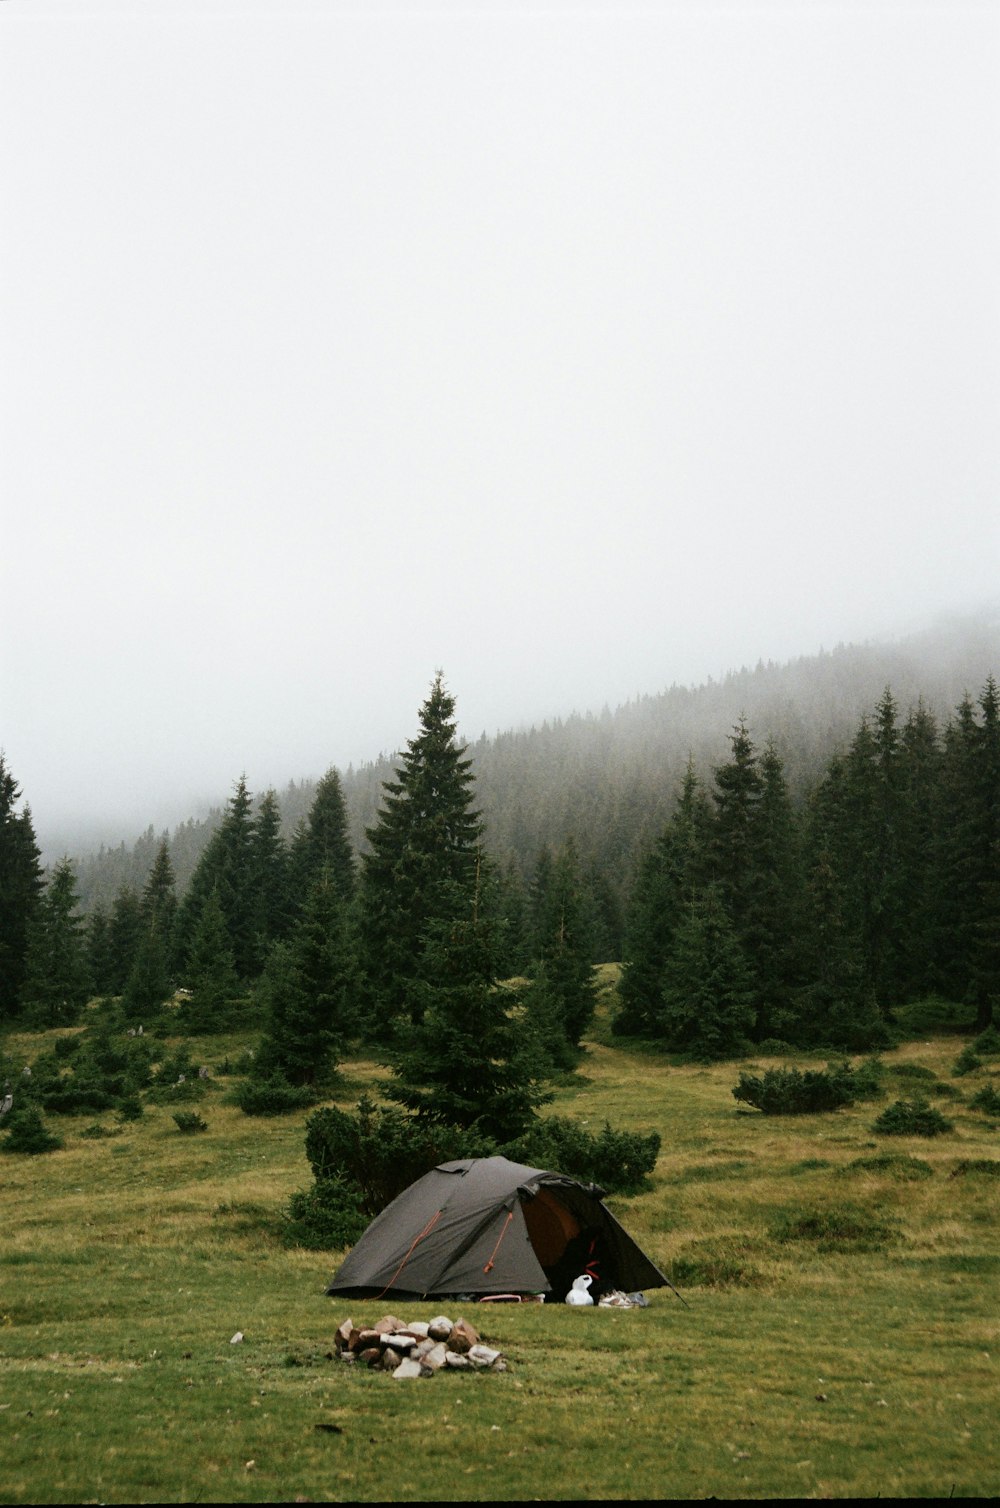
point(839, 1335)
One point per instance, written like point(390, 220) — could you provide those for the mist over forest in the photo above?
point(607, 779)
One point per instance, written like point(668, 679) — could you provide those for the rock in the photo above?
point(422, 1347)
point(419, 1329)
point(399, 1342)
point(463, 1337)
point(391, 1358)
point(371, 1355)
point(342, 1340)
point(483, 1356)
point(434, 1359)
point(236, 1338)
point(366, 1338)
point(456, 1360)
point(408, 1368)
point(440, 1328)
point(389, 1323)
point(348, 1356)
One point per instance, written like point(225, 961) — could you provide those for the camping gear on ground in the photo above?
point(580, 1292)
point(487, 1225)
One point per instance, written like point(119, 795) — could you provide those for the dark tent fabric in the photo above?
point(488, 1226)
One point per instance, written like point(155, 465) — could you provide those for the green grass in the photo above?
point(840, 1335)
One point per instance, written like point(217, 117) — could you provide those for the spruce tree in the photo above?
point(306, 992)
point(708, 996)
point(467, 1058)
point(564, 992)
point(421, 871)
point(57, 978)
point(322, 845)
point(209, 1006)
point(271, 900)
point(20, 892)
point(671, 873)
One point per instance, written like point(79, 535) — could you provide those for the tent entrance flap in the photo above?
point(551, 1226)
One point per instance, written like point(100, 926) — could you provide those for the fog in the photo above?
point(574, 350)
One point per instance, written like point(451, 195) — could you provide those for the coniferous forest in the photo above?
point(745, 905)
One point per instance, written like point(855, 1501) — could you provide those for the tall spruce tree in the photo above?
point(708, 995)
point(467, 1057)
point(57, 977)
point(563, 994)
point(671, 873)
point(20, 892)
point(421, 872)
point(306, 992)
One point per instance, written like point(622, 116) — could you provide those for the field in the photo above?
point(839, 1335)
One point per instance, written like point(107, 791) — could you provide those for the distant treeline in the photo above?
point(752, 917)
point(609, 781)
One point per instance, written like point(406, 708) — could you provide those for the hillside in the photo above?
point(609, 779)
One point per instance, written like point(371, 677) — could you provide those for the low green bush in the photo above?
point(27, 1133)
point(326, 1217)
point(987, 1099)
point(380, 1150)
point(619, 1161)
point(911, 1118)
point(787, 1091)
point(272, 1095)
point(189, 1121)
point(988, 1167)
point(988, 1042)
point(967, 1061)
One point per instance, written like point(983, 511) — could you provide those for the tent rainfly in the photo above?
point(490, 1226)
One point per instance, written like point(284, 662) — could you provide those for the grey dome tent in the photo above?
point(490, 1226)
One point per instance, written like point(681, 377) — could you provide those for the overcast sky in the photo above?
point(573, 349)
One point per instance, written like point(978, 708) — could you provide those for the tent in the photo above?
point(490, 1226)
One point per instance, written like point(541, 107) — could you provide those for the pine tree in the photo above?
point(306, 991)
point(708, 996)
point(209, 1006)
point(57, 979)
point(226, 867)
point(674, 869)
point(322, 845)
point(984, 962)
point(20, 892)
point(125, 930)
point(271, 900)
point(149, 980)
point(421, 871)
point(467, 1058)
point(564, 992)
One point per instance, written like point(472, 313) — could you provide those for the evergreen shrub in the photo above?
point(380, 1151)
point(619, 1161)
point(786, 1091)
point(911, 1118)
point(987, 1099)
point(97, 1132)
point(988, 1042)
point(967, 1061)
point(189, 1121)
point(27, 1133)
point(327, 1216)
point(273, 1095)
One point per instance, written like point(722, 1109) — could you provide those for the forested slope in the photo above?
point(610, 779)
